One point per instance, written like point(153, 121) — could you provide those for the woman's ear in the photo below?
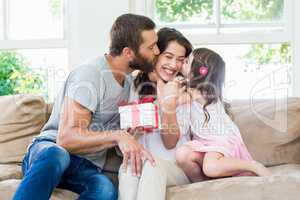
point(128, 53)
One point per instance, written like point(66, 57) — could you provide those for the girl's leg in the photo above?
point(217, 165)
point(191, 163)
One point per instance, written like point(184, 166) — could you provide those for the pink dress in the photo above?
point(220, 134)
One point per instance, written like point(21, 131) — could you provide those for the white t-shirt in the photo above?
point(153, 141)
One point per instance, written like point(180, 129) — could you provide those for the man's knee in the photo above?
point(56, 159)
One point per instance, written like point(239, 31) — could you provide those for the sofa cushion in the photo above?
point(8, 188)
point(284, 184)
point(22, 117)
point(10, 171)
point(270, 129)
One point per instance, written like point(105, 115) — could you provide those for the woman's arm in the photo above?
point(170, 130)
point(167, 96)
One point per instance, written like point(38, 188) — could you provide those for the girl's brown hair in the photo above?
point(210, 84)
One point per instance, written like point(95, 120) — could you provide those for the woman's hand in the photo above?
point(167, 94)
point(172, 93)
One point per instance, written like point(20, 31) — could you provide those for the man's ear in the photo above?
point(128, 53)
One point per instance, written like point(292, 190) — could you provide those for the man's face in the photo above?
point(148, 51)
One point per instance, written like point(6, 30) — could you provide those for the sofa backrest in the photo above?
point(22, 117)
point(270, 129)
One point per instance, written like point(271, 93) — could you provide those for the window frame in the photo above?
point(146, 7)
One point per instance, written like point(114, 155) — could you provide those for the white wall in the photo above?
point(90, 22)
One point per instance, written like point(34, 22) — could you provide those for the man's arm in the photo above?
point(73, 133)
point(74, 136)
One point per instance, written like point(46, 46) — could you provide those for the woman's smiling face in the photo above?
point(170, 61)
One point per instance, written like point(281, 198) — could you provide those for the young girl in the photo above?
point(217, 147)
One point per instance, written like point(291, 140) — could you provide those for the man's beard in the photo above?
point(141, 63)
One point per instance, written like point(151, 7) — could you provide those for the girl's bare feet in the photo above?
point(260, 169)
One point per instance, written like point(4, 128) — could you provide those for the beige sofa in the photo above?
point(270, 128)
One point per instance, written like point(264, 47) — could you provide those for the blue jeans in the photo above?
point(47, 166)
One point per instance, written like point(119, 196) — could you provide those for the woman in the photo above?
point(153, 181)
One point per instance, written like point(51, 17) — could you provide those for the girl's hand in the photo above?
point(184, 97)
point(186, 68)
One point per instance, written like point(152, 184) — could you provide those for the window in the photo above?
point(34, 32)
point(219, 15)
point(256, 70)
point(237, 11)
point(51, 64)
point(1, 20)
point(253, 36)
point(183, 12)
point(32, 19)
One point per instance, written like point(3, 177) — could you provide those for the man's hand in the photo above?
point(134, 152)
point(136, 132)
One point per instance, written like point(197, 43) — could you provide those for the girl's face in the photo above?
point(186, 68)
point(170, 61)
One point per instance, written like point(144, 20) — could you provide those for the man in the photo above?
point(71, 149)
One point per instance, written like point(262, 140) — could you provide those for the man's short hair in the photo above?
point(127, 32)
